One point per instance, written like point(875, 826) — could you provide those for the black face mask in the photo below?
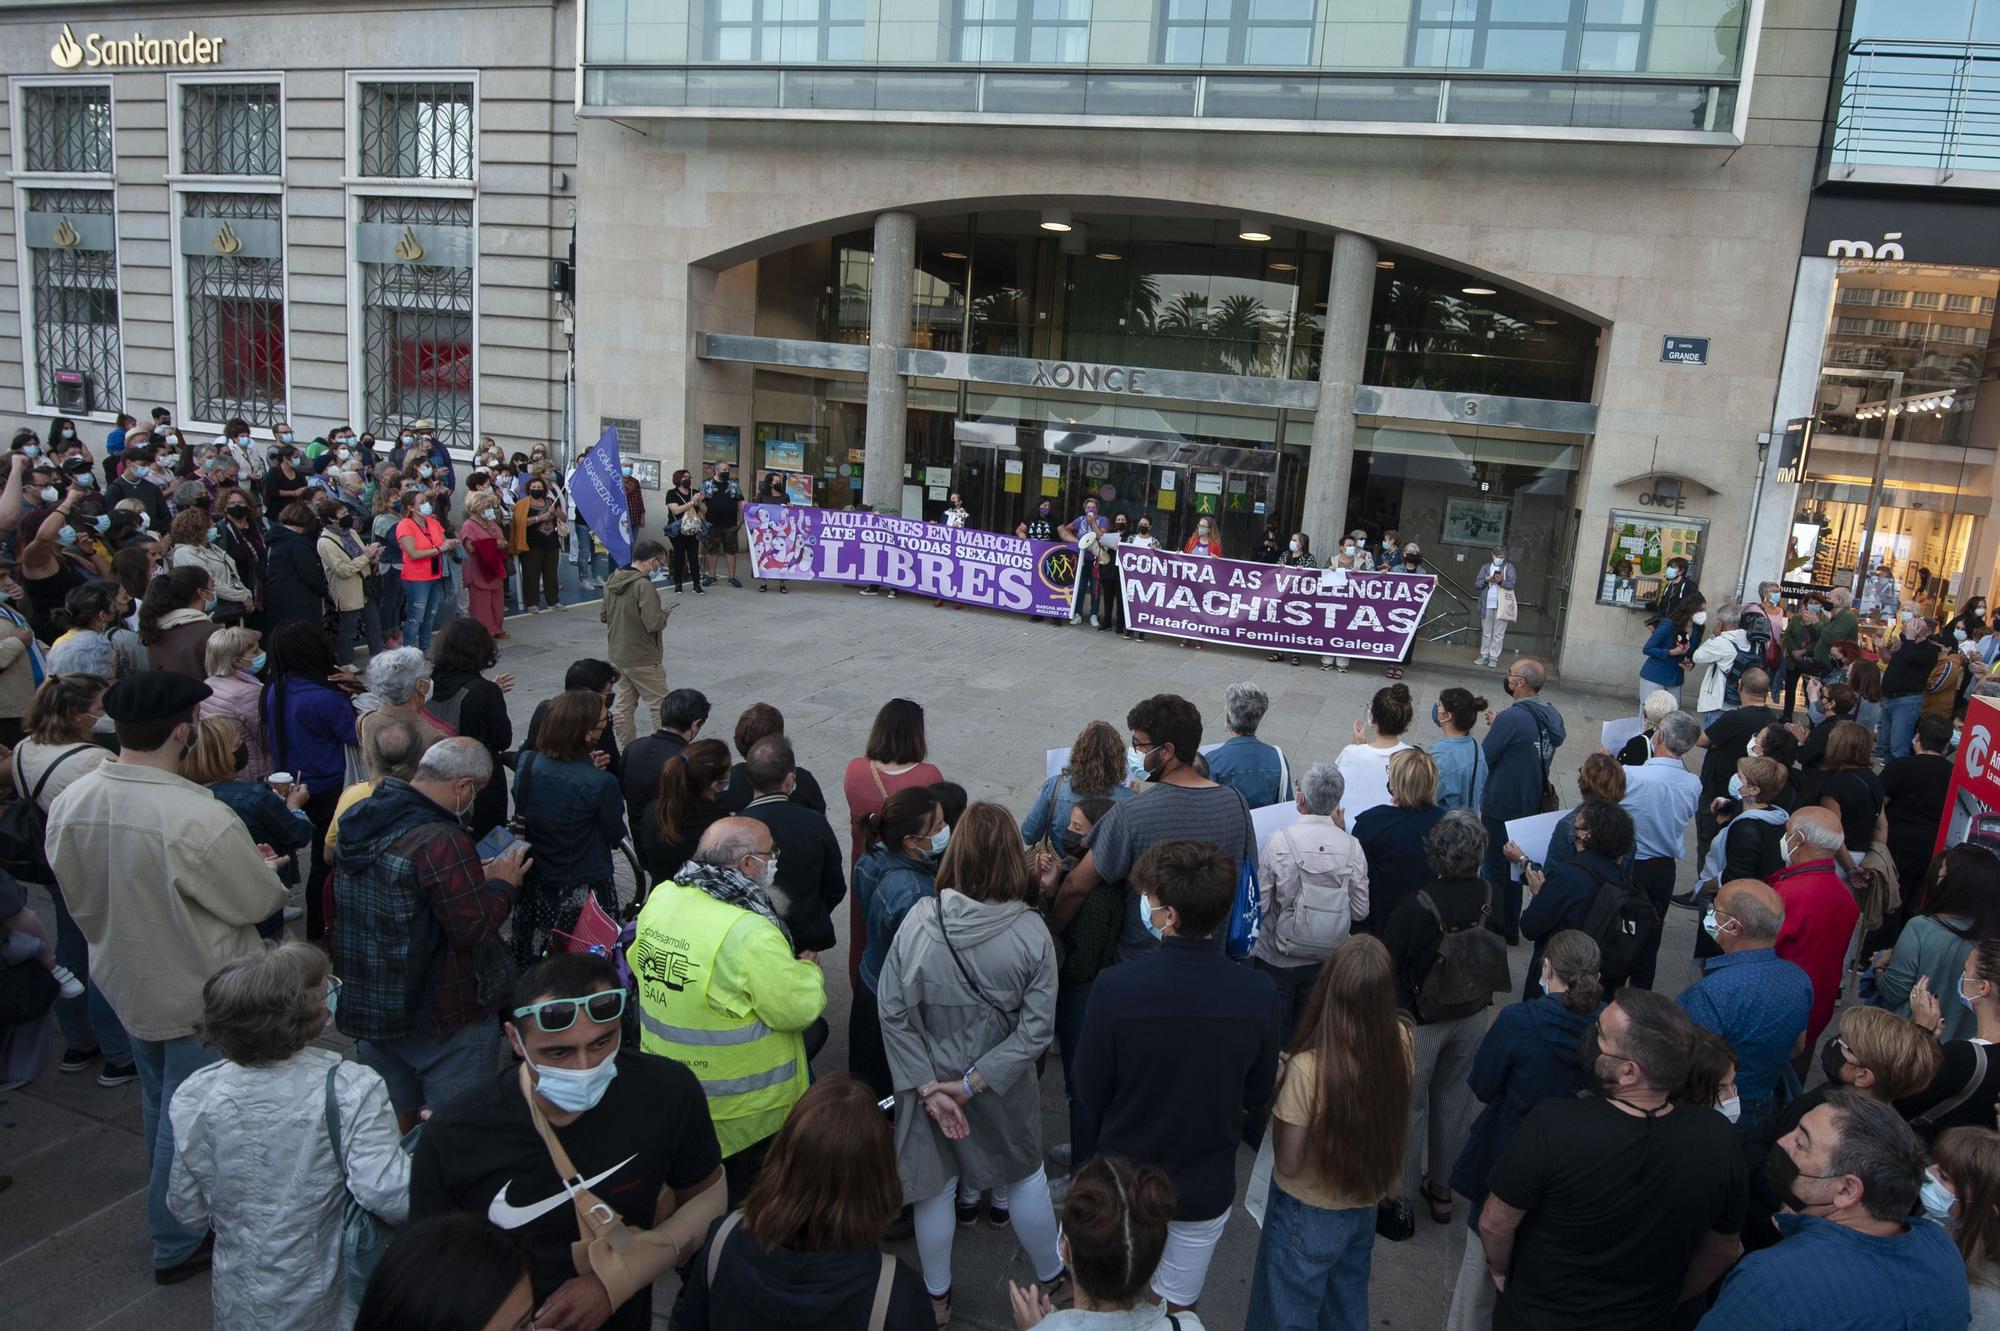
point(241, 758)
point(1783, 1174)
point(238, 511)
point(1072, 845)
point(1588, 1055)
point(1830, 1062)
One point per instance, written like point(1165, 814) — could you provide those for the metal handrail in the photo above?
point(1932, 105)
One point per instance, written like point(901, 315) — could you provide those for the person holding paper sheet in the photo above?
point(1662, 797)
point(1562, 898)
point(1495, 577)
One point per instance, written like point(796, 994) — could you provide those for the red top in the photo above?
point(1820, 915)
point(865, 798)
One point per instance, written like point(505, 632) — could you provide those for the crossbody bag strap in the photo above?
point(333, 1124)
point(876, 772)
point(729, 1223)
point(1959, 1097)
point(594, 1218)
point(885, 1284)
point(35, 796)
point(952, 948)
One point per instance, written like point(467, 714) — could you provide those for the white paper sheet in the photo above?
point(1532, 835)
point(1367, 787)
point(1616, 733)
point(1058, 757)
point(1271, 818)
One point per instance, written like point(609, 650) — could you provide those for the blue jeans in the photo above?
point(89, 1020)
point(163, 1066)
point(421, 601)
point(433, 1070)
point(1071, 1001)
point(1899, 724)
point(1312, 1267)
point(1086, 594)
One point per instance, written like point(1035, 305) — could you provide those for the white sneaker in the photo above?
point(67, 984)
point(561, 606)
point(541, 610)
point(1093, 621)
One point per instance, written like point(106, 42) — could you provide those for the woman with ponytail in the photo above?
point(1340, 1125)
point(899, 870)
point(1529, 1055)
point(174, 623)
point(691, 788)
point(82, 627)
point(1114, 1228)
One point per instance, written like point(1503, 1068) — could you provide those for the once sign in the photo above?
point(1078, 374)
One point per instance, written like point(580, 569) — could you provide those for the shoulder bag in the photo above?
point(885, 1283)
point(1925, 1121)
point(1550, 803)
point(364, 1236)
point(24, 828)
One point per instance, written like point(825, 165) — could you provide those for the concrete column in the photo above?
point(888, 329)
point(1350, 295)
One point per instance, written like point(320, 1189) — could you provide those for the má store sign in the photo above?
point(139, 51)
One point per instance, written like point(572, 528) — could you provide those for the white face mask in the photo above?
point(1731, 1109)
point(1295, 547)
point(1937, 1199)
point(1700, 616)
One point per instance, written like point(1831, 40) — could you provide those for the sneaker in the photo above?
point(76, 1060)
point(871, 591)
point(708, 579)
point(541, 610)
point(762, 588)
point(968, 1216)
point(737, 585)
point(560, 606)
point(193, 1265)
point(117, 1074)
point(1062, 1156)
point(892, 593)
point(941, 1308)
point(997, 1216)
point(1093, 621)
point(67, 985)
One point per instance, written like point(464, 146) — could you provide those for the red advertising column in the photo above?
point(1972, 801)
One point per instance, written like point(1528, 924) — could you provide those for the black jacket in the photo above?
point(1412, 936)
point(640, 774)
point(131, 485)
point(828, 1291)
point(295, 585)
point(805, 790)
point(481, 714)
point(810, 883)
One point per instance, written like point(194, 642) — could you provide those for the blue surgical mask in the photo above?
point(1146, 911)
point(1937, 1199)
point(424, 509)
point(940, 839)
point(1964, 997)
point(32, 450)
point(1736, 786)
point(407, 441)
point(213, 534)
point(67, 536)
point(1731, 1109)
point(332, 1001)
point(209, 605)
point(575, 1090)
point(257, 663)
point(103, 523)
point(285, 436)
point(1672, 574)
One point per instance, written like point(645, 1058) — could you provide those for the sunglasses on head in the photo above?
point(559, 1014)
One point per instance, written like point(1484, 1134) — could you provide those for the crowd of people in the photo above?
point(570, 1078)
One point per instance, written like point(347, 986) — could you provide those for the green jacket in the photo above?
point(1841, 624)
point(633, 619)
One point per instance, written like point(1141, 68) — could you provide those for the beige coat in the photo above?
point(343, 572)
point(165, 885)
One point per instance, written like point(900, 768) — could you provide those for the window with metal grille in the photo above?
point(1550, 35)
point(235, 313)
point(75, 296)
point(416, 131)
point(1236, 32)
point(66, 128)
point(416, 329)
point(231, 129)
point(1041, 32)
point(790, 30)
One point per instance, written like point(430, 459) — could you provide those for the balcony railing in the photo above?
point(1918, 112)
point(1464, 102)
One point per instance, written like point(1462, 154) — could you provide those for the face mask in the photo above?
point(1412, 561)
point(50, 494)
point(1783, 1174)
point(1831, 1062)
point(1385, 545)
point(1963, 997)
point(1700, 616)
point(257, 663)
point(69, 434)
point(1590, 1055)
point(1145, 529)
point(1294, 547)
point(624, 471)
point(767, 874)
point(424, 509)
point(1146, 909)
point(1072, 845)
point(940, 839)
point(1673, 574)
point(103, 523)
point(33, 450)
point(1961, 635)
point(1905, 615)
point(1731, 1109)
point(332, 995)
point(1203, 529)
point(574, 1090)
point(1712, 925)
point(213, 533)
point(1937, 1199)
point(237, 511)
point(408, 440)
point(66, 536)
point(1347, 550)
point(285, 437)
point(342, 454)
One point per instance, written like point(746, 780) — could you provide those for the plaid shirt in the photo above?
point(416, 923)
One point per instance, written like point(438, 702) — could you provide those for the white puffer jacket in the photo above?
point(252, 1159)
point(1718, 653)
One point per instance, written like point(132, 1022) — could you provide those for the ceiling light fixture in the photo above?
point(1385, 263)
point(1280, 266)
point(1055, 219)
point(1548, 323)
point(1252, 229)
point(1108, 256)
point(1479, 291)
point(953, 254)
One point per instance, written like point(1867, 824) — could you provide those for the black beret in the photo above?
point(153, 695)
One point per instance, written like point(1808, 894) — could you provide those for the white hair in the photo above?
point(455, 759)
point(395, 674)
point(1321, 788)
point(1243, 707)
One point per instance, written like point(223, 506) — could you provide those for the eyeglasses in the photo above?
point(768, 856)
point(1146, 748)
point(559, 1014)
point(332, 988)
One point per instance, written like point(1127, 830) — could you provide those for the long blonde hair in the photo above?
point(1362, 1072)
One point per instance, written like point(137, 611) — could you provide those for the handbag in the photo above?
point(1246, 914)
point(364, 1236)
point(1507, 608)
point(1550, 803)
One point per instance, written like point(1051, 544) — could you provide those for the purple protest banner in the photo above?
point(1321, 611)
point(980, 568)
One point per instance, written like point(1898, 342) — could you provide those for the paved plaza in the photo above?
point(999, 690)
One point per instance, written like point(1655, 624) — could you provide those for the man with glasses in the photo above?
point(1609, 1210)
point(633, 1129)
point(723, 990)
point(417, 921)
point(1750, 996)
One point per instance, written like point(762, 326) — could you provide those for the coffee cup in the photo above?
point(280, 783)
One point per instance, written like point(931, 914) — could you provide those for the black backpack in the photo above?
point(24, 829)
point(1621, 919)
point(1469, 967)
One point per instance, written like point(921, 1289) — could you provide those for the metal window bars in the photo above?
point(231, 129)
point(75, 295)
point(236, 319)
point(1926, 106)
point(416, 131)
point(66, 129)
point(416, 329)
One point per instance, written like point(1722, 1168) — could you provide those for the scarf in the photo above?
point(731, 889)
